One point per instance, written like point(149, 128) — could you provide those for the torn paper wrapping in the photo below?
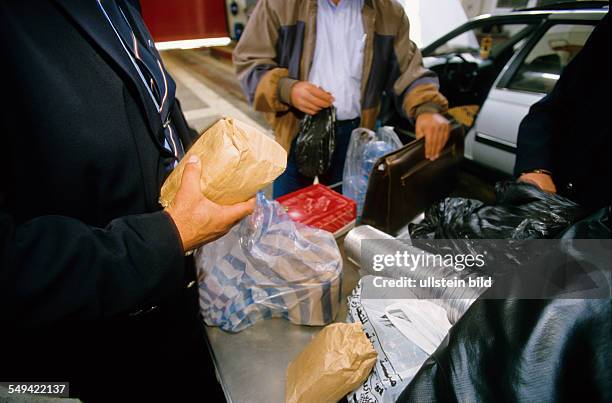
point(237, 159)
point(336, 361)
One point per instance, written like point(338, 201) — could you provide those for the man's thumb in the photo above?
point(190, 180)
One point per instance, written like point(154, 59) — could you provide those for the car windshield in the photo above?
point(485, 41)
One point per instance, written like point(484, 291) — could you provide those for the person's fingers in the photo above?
point(444, 135)
point(439, 144)
point(435, 152)
point(305, 105)
point(542, 181)
point(319, 102)
point(312, 106)
point(531, 181)
point(309, 108)
point(310, 111)
point(321, 94)
point(190, 181)
point(433, 149)
point(237, 212)
point(428, 142)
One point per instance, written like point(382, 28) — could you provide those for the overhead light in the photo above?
point(193, 43)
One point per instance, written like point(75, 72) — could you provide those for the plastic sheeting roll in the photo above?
point(455, 300)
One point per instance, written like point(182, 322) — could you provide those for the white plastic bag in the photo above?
point(365, 148)
point(404, 333)
point(422, 322)
point(269, 266)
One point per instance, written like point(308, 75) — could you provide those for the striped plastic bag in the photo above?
point(269, 266)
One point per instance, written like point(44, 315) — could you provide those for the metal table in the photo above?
point(251, 364)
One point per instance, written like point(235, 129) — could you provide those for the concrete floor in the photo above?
point(208, 89)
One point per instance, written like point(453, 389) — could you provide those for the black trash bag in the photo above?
point(597, 226)
point(522, 211)
point(316, 142)
point(528, 350)
point(516, 350)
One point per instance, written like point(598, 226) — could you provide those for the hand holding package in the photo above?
point(238, 160)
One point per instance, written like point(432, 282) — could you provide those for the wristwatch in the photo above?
point(538, 171)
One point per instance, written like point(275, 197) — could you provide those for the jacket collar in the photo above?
point(90, 18)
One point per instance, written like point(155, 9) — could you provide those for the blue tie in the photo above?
point(160, 84)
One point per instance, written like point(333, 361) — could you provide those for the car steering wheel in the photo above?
point(464, 77)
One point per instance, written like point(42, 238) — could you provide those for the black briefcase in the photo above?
point(403, 184)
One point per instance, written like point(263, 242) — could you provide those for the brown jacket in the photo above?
point(277, 48)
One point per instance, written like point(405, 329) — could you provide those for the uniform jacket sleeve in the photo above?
point(547, 122)
point(54, 268)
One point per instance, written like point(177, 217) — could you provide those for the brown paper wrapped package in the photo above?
point(336, 362)
point(237, 161)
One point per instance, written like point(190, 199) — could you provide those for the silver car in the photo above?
point(494, 68)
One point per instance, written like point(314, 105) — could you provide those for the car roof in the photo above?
point(578, 14)
point(570, 5)
point(586, 14)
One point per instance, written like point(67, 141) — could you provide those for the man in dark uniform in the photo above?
point(564, 141)
point(95, 285)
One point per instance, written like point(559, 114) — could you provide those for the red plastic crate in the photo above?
point(319, 206)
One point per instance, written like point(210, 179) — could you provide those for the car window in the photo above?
point(543, 66)
point(512, 3)
point(484, 41)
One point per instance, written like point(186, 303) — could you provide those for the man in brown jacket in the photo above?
point(300, 56)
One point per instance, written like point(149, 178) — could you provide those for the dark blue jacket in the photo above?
point(568, 132)
point(85, 250)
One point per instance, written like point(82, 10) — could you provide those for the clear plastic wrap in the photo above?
point(316, 142)
point(269, 266)
point(365, 148)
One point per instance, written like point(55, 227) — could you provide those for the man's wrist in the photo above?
point(176, 229)
point(429, 107)
point(285, 85)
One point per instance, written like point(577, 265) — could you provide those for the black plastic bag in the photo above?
point(524, 350)
point(522, 211)
point(315, 143)
point(597, 226)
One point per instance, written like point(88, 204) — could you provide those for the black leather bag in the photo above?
point(403, 184)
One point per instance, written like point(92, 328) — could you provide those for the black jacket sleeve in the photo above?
point(550, 122)
point(535, 138)
point(54, 268)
